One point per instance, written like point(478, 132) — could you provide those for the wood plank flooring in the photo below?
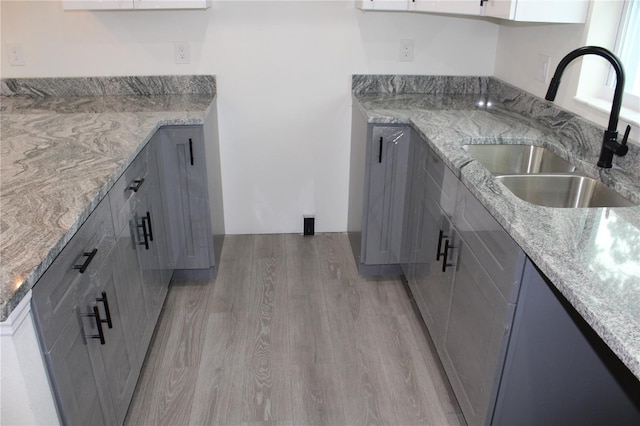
point(289, 334)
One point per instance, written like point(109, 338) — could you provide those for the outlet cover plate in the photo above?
point(406, 50)
point(182, 52)
point(15, 54)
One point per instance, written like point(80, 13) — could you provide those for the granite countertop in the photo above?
point(592, 255)
point(65, 142)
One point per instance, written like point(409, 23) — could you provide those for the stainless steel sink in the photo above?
point(516, 159)
point(563, 190)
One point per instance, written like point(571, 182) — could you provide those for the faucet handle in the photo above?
point(623, 148)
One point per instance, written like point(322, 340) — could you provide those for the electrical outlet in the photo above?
point(182, 53)
point(16, 57)
point(542, 67)
point(406, 50)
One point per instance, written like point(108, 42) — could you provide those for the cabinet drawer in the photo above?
point(122, 196)
point(441, 182)
point(57, 291)
point(498, 254)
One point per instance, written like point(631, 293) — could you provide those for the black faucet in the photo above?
point(610, 144)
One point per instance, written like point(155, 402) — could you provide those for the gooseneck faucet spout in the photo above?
point(610, 144)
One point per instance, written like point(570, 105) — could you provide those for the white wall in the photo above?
point(283, 73)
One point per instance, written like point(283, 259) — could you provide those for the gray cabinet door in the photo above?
point(388, 157)
point(116, 357)
point(433, 278)
point(133, 294)
point(150, 253)
point(429, 231)
point(73, 379)
point(185, 178)
point(412, 205)
point(477, 336)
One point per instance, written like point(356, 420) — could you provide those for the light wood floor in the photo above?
point(288, 334)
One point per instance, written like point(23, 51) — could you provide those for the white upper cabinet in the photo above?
point(566, 11)
point(383, 4)
point(462, 7)
point(134, 4)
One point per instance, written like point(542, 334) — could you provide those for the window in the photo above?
point(616, 26)
point(628, 50)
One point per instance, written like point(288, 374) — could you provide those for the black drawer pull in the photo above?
point(380, 151)
point(96, 315)
point(136, 185)
point(191, 150)
point(445, 255)
point(90, 255)
point(149, 226)
point(107, 312)
point(440, 237)
point(144, 234)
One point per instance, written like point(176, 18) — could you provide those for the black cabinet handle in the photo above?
point(143, 225)
point(96, 315)
point(440, 252)
point(191, 150)
point(107, 312)
point(380, 151)
point(90, 255)
point(445, 255)
point(482, 2)
point(136, 185)
point(149, 226)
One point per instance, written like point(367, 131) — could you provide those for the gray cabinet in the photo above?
point(429, 235)
point(489, 266)
point(82, 324)
point(464, 272)
point(514, 350)
point(185, 177)
point(154, 245)
point(476, 337)
point(143, 243)
point(116, 357)
point(388, 159)
point(97, 305)
point(377, 190)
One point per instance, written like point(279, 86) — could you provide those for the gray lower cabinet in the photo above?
point(185, 176)
point(97, 305)
point(515, 352)
point(78, 309)
point(117, 356)
point(464, 272)
point(488, 273)
point(377, 189)
point(153, 241)
point(428, 233)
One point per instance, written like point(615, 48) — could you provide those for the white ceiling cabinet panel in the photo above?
point(134, 4)
point(567, 11)
point(383, 4)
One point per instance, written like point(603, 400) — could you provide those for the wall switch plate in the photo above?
point(542, 67)
point(406, 50)
point(182, 52)
point(16, 57)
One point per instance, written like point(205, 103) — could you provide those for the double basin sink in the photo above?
point(539, 176)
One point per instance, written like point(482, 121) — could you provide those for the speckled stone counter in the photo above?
point(592, 255)
point(64, 144)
